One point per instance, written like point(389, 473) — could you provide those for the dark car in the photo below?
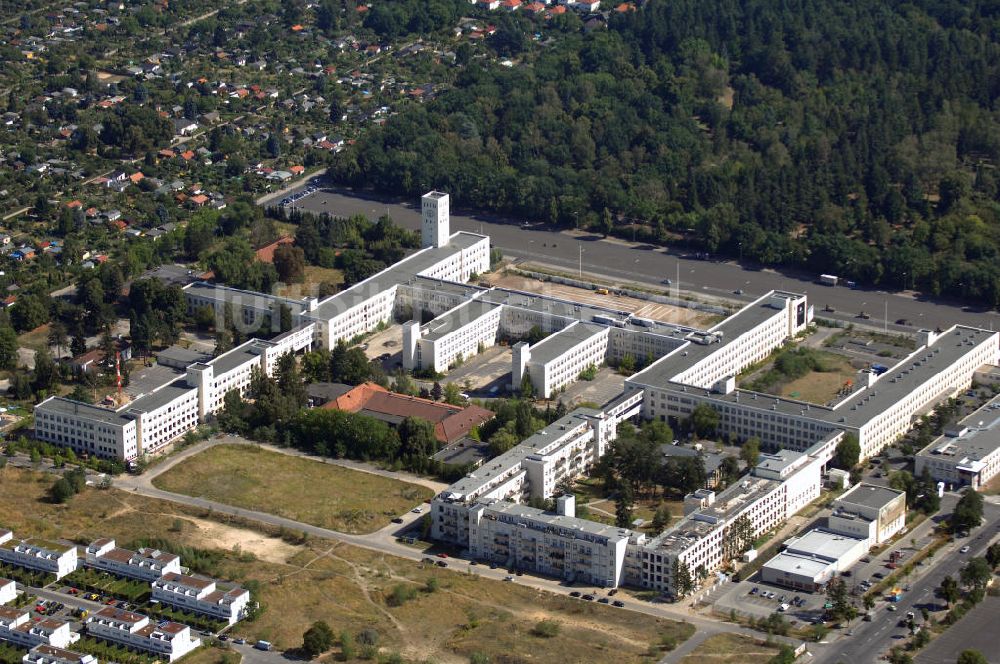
point(589, 598)
point(878, 575)
point(442, 563)
point(618, 603)
point(398, 519)
point(603, 600)
point(575, 593)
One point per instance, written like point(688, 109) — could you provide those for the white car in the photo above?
point(964, 549)
point(417, 510)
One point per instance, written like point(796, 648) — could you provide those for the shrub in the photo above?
point(545, 629)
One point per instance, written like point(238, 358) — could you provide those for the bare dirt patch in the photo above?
point(643, 308)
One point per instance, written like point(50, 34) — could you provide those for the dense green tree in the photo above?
point(848, 452)
point(704, 420)
point(317, 639)
point(750, 452)
point(8, 347)
point(971, 657)
point(968, 513)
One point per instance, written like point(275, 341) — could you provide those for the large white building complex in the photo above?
point(690, 368)
point(446, 320)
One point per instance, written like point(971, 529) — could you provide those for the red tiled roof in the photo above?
point(266, 253)
point(450, 422)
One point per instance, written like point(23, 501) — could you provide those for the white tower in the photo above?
point(436, 231)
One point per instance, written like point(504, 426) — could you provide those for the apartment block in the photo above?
point(17, 628)
point(145, 564)
point(8, 591)
point(50, 557)
point(165, 639)
point(521, 537)
point(46, 654)
point(564, 449)
point(201, 595)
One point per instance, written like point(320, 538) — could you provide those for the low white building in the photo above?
point(46, 654)
point(8, 591)
point(452, 337)
point(810, 561)
point(559, 359)
point(968, 454)
point(201, 595)
point(145, 564)
point(167, 639)
point(17, 627)
point(873, 513)
point(50, 557)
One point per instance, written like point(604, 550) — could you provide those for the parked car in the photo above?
point(589, 598)
point(618, 603)
point(603, 600)
point(964, 549)
point(575, 593)
point(398, 520)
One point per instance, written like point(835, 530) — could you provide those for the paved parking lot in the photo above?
point(606, 386)
point(484, 375)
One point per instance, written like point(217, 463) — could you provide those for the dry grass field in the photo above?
point(348, 587)
point(730, 649)
point(301, 489)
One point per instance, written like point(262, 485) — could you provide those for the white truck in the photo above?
point(828, 279)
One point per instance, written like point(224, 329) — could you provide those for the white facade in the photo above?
point(435, 229)
point(17, 627)
point(46, 654)
point(525, 538)
point(872, 512)
point(456, 335)
point(42, 556)
point(811, 560)
point(8, 591)
point(201, 596)
point(560, 359)
point(144, 564)
point(169, 640)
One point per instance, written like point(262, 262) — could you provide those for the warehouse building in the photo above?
point(810, 561)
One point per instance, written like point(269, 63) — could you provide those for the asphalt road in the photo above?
point(871, 640)
point(638, 262)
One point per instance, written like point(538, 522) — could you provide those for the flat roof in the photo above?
point(223, 293)
point(791, 563)
point(394, 275)
point(981, 439)
point(664, 371)
point(567, 523)
point(456, 318)
point(183, 356)
point(161, 396)
point(902, 379)
point(558, 343)
point(473, 482)
point(62, 405)
point(823, 544)
point(869, 495)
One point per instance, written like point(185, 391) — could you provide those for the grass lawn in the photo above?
point(347, 587)
point(818, 387)
point(301, 489)
point(314, 276)
point(37, 339)
point(730, 649)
